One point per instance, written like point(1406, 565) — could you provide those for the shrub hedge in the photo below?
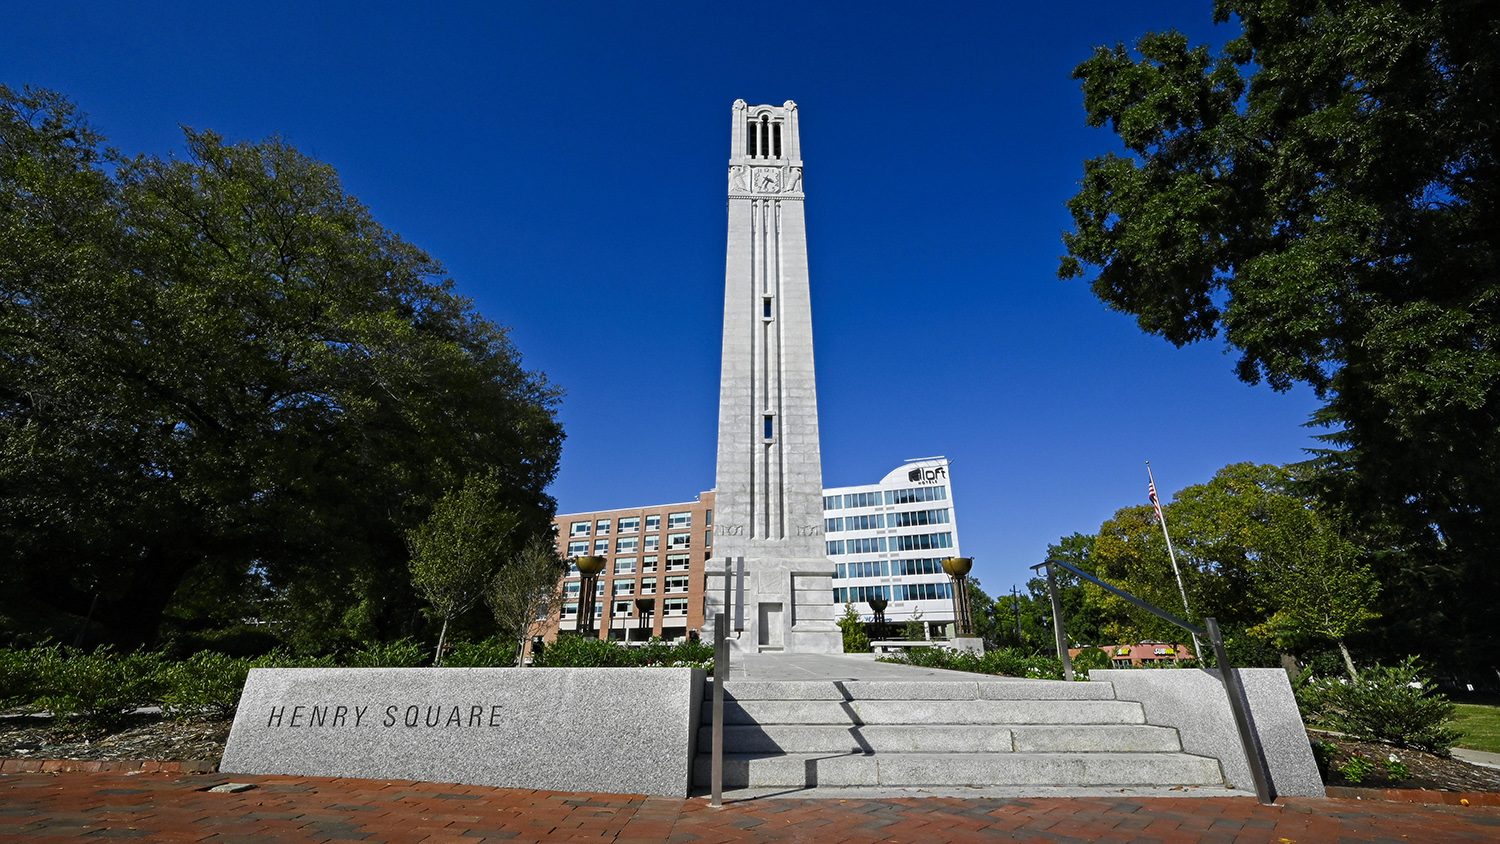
point(1008, 662)
point(93, 692)
point(1389, 704)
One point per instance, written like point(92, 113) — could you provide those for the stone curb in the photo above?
point(96, 766)
point(1416, 795)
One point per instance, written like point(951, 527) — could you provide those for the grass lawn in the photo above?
point(1480, 725)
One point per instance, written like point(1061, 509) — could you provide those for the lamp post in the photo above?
point(644, 609)
point(879, 604)
point(1015, 611)
point(958, 569)
point(589, 568)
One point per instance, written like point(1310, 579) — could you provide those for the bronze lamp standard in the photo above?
point(589, 568)
point(878, 604)
point(644, 609)
point(958, 568)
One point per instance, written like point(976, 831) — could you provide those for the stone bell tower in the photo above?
point(769, 498)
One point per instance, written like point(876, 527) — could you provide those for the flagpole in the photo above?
point(1172, 555)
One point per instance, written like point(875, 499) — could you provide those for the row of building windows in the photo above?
point(626, 586)
point(632, 524)
point(626, 565)
point(878, 544)
point(917, 493)
point(632, 544)
point(878, 521)
point(626, 609)
point(871, 522)
point(927, 565)
point(887, 568)
point(922, 542)
point(872, 545)
point(911, 518)
point(851, 500)
point(900, 592)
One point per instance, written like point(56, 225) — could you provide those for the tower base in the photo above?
point(779, 606)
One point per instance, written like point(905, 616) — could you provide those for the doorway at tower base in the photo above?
point(777, 606)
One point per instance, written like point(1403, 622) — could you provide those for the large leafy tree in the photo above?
point(1324, 192)
point(220, 369)
point(1255, 553)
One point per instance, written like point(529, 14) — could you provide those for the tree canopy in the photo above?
point(219, 372)
point(1322, 192)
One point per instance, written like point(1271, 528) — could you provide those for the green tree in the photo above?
point(1321, 589)
point(1255, 553)
point(219, 373)
point(459, 548)
point(527, 591)
point(856, 641)
point(914, 630)
point(1324, 192)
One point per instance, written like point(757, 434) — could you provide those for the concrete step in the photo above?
point(986, 689)
point(929, 738)
point(808, 770)
point(982, 712)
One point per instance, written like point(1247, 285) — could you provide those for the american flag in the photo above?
point(1151, 490)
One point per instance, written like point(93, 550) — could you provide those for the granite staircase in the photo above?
point(896, 734)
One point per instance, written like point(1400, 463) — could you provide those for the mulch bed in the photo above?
point(1428, 772)
point(140, 736)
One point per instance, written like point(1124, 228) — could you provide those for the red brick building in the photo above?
point(652, 583)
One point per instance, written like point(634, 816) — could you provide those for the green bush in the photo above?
point(1392, 705)
point(581, 652)
point(1356, 768)
point(584, 652)
point(204, 682)
point(92, 692)
point(21, 675)
point(1090, 658)
point(855, 639)
point(490, 653)
point(403, 653)
point(1006, 662)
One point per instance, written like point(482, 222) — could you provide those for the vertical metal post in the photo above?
point(1236, 693)
point(1057, 626)
point(1015, 610)
point(721, 676)
point(721, 664)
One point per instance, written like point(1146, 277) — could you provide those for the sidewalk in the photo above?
point(42, 808)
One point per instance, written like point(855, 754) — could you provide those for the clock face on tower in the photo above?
point(767, 180)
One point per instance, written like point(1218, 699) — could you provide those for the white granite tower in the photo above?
point(769, 499)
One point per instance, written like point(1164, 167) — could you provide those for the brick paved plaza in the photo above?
point(42, 807)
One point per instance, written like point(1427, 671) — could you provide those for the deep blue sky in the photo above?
point(567, 161)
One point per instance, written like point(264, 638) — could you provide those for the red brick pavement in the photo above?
point(38, 808)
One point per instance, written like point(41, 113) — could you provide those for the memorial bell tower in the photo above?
point(769, 498)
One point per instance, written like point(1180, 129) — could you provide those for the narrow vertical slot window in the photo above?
point(776, 140)
point(766, 307)
point(770, 427)
point(751, 137)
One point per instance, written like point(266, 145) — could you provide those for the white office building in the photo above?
point(889, 540)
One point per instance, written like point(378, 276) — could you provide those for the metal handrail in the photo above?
point(1233, 689)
